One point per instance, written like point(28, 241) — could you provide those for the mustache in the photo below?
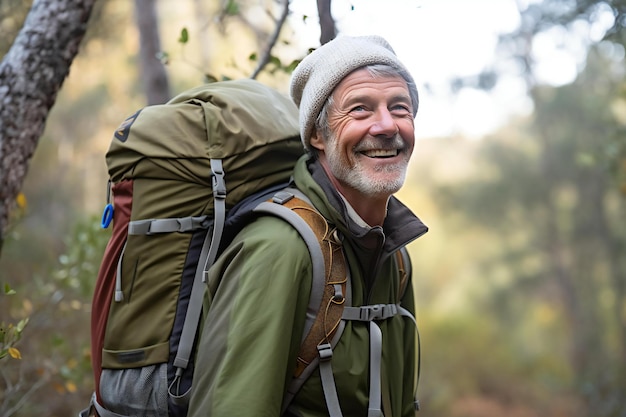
point(368, 144)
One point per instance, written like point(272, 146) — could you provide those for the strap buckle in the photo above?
point(378, 312)
point(325, 352)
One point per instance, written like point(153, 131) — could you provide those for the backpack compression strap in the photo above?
point(154, 226)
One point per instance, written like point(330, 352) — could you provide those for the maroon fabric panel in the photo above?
point(105, 285)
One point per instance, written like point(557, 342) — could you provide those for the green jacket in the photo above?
point(246, 356)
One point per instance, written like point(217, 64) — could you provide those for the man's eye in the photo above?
point(358, 109)
point(401, 108)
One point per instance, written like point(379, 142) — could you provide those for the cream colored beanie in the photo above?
point(315, 78)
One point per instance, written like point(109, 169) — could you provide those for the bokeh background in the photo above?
point(519, 170)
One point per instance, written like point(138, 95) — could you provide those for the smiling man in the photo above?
point(357, 106)
point(368, 138)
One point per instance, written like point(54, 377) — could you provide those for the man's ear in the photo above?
point(317, 141)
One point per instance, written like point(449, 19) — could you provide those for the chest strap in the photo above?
point(370, 314)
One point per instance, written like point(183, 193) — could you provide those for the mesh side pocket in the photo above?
point(136, 391)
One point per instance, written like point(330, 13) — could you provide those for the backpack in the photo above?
point(185, 177)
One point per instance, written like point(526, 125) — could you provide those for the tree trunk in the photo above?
point(31, 74)
point(153, 74)
point(328, 30)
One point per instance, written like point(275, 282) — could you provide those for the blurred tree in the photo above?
point(583, 234)
point(558, 238)
point(596, 145)
point(328, 30)
point(31, 74)
point(153, 74)
point(576, 25)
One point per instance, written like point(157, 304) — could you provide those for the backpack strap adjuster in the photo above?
point(325, 352)
point(370, 312)
point(282, 197)
point(219, 185)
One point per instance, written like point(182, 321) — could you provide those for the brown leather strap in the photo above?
point(404, 275)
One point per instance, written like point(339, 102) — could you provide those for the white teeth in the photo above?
point(381, 153)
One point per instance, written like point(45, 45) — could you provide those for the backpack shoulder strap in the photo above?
point(405, 268)
point(329, 288)
point(329, 311)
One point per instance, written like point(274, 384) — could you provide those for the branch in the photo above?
point(25, 398)
point(265, 59)
point(328, 29)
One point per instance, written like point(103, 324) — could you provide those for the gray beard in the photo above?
point(356, 177)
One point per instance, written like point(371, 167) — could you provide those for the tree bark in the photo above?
point(153, 74)
point(31, 74)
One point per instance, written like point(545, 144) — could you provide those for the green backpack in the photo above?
point(185, 177)
point(176, 171)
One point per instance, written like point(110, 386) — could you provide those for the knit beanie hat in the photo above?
point(315, 78)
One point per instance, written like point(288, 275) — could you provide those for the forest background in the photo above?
point(521, 283)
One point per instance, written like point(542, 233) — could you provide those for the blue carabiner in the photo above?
point(107, 216)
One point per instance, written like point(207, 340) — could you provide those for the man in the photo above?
point(357, 105)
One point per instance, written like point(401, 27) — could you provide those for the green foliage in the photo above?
point(57, 359)
point(232, 8)
point(10, 334)
point(8, 290)
point(541, 17)
point(538, 223)
point(269, 63)
point(275, 64)
point(469, 358)
point(79, 265)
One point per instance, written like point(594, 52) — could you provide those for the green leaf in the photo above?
point(253, 56)
point(184, 36)
point(274, 60)
point(292, 66)
point(8, 290)
point(232, 8)
point(21, 324)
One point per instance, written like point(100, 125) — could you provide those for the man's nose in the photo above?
point(384, 124)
